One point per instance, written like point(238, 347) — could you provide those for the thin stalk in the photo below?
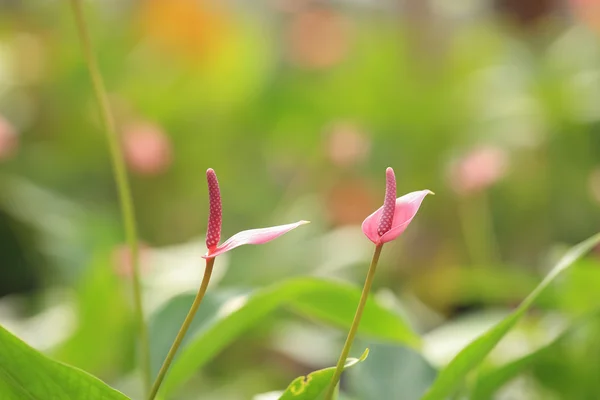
point(122, 182)
point(355, 323)
point(478, 230)
point(184, 328)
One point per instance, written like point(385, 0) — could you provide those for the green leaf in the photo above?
point(165, 324)
point(391, 370)
point(26, 374)
point(233, 316)
point(311, 386)
point(335, 303)
point(106, 352)
point(451, 377)
point(490, 381)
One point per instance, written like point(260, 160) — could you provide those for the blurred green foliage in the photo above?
point(299, 107)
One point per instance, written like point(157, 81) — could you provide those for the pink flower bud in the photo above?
point(389, 203)
point(213, 231)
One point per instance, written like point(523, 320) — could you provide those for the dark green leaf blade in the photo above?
point(451, 377)
point(26, 374)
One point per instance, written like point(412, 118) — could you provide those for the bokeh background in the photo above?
point(300, 106)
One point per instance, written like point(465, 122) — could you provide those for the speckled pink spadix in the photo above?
point(389, 204)
point(215, 216)
point(252, 236)
point(392, 219)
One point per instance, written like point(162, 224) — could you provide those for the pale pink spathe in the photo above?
point(252, 236)
point(405, 210)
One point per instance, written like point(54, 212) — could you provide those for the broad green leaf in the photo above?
point(451, 377)
point(26, 374)
point(229, 318)
point(166, 323)
point(336, 303)
point(311, 386)
point(490, 381)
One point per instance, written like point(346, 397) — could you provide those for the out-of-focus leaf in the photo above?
point(102, 342)
point(442, 344)
point(165, 324)
point(391, 370)
point(492, 380)
point(445, 286)
point(451, 377)
point(311, 387)
point(578, 291)
point(27, 374)
point(229, 318)
point(336, 303)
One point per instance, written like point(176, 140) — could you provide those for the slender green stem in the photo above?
point(478, 230)
point(122, 182)
point(184, 328)
point(355, 323)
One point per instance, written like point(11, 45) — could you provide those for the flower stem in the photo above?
point(478, 230)
point(184, 328)
point(355, 323)
point(122, 182)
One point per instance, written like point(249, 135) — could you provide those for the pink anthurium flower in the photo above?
point(389, 221)
point(252, 236)
point(384, 225)
point(213, 236)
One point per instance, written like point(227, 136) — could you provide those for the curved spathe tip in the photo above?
point(253, 236)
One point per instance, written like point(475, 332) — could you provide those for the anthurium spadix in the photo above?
point(384, 225)
point(213, 236)
point(252, 236)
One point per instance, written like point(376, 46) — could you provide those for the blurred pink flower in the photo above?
point(588, 11)
point(121, 258)
point(318, 38)
point(146, 147)
point(347, 144)
point(9, 140)
point(253, 236)
point(392, 219)
point(478, 170)
point(342, 212)
point(289, 6)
